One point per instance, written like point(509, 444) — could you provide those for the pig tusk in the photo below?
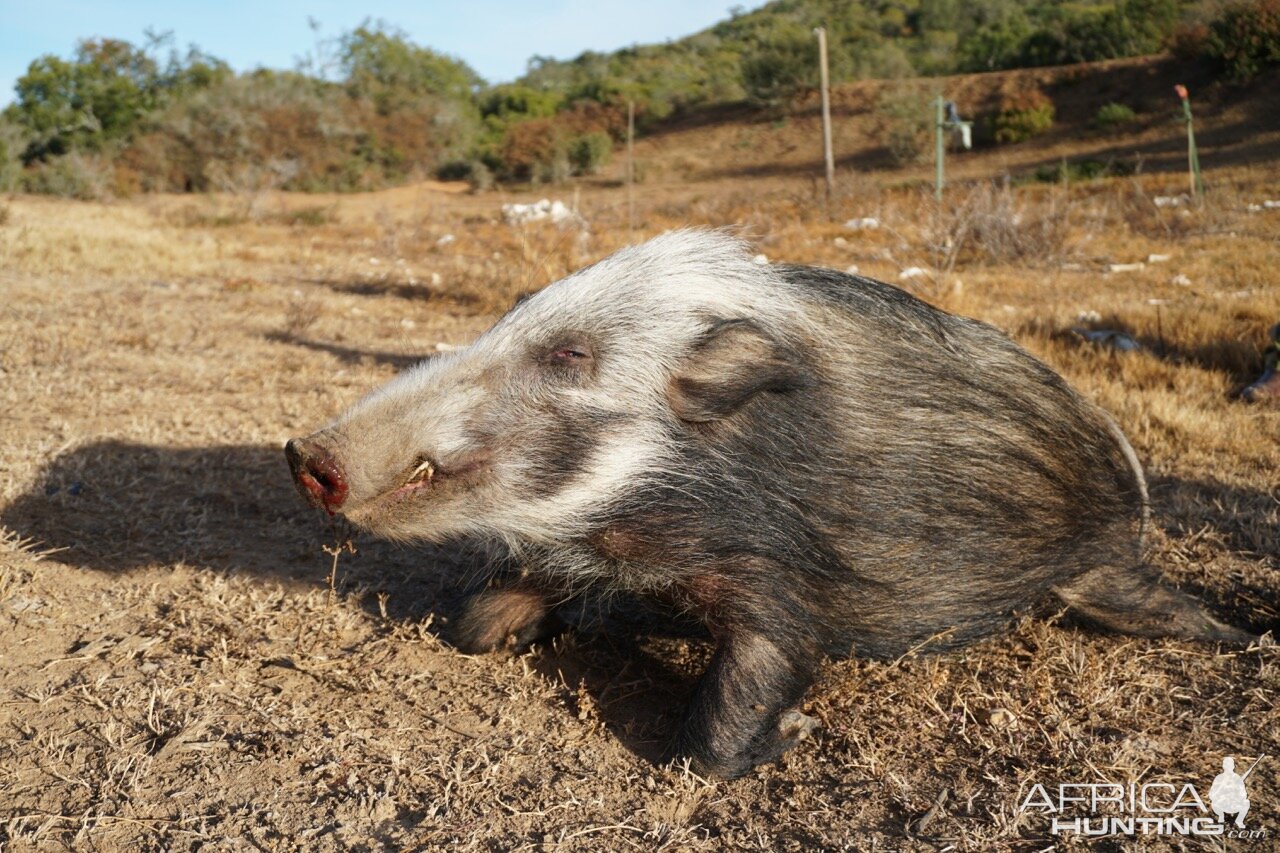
point(424, 472)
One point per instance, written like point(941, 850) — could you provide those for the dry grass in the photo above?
point(177, 675)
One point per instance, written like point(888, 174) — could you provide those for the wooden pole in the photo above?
point(824, 76)
point(631, 166)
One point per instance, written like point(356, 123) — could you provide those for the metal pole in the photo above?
point(631, 166)
point(826, 111)
point(1193, 156)
point(939, 146)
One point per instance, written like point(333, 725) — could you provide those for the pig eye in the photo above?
point(570, 353)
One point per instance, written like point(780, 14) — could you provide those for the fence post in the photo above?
point(824, 76)
point(1193, 156)
point(631, 166)
point(939, 145)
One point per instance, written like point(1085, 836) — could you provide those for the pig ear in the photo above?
point(734, 362)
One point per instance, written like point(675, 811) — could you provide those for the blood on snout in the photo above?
point(319, 479)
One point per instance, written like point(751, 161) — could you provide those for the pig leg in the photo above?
point(1134, 601)
point(742, 711)
point(510, 617)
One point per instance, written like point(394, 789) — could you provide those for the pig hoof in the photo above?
point(504, 619)
point(791, 729)
point(794, 727)
point(1266, 389)
point(480, 639)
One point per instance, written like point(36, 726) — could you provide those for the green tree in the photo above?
point(99, 96)
point(380, 63)
point(1245, 38)
point(779, 69)
point(995, 46)
point(405, 81)
point(103, 94)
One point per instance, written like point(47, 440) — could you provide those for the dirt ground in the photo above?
point(176, 671)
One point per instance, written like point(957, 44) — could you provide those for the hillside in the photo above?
point(1236, 126)
point(766, 55)
point(118, 118)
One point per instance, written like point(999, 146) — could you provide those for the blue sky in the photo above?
point(496, 37)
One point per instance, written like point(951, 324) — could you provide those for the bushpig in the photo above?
point(810, 463)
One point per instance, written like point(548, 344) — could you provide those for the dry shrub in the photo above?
point(528, 145)
point(225, 134)
point(80, 176)
point(541, 149)
point(587, 117)
point(1131, 205)
point(302, 313)
point(311, 216)
point(992, 226)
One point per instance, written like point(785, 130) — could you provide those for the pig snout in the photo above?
point(317, 474)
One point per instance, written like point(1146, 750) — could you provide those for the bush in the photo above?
point(1023, 116)
point(906, 115)
point(1190, 41)
point(454, 170)
point(527, 147)
point(549, 150)
point(1245, 38)
point(474, 172)
point(1074, 171)
point(13, 141)
point(554, 171)
point(590, 151)
point(221, 138)
point(1113, 115)
point(991, 225)
point(81, 176)
point(481, 177)
point(513, 102)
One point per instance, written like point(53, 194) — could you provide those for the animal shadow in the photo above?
point(629, 667)
point(351, 355)
point(115, 506)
